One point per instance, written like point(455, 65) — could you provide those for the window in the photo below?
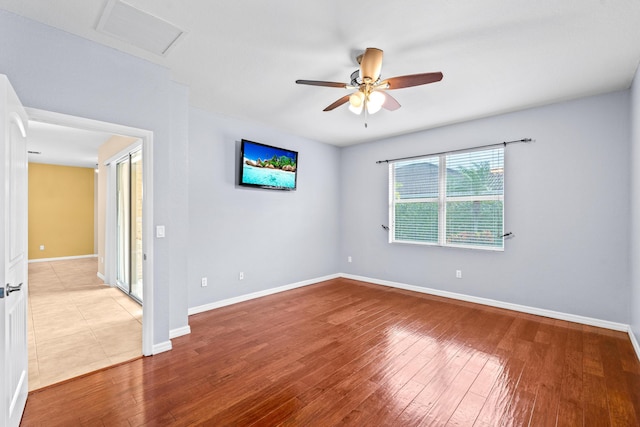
point(449, 200)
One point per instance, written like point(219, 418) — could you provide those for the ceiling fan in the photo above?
point(370, 95)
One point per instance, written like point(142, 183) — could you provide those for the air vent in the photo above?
point(138, 28)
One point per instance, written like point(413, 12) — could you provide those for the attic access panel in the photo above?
point(138, 28)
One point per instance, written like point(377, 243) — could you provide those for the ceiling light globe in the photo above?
point(376, 98)
point(373, 108)
point(355, 110)
point(356, 99)
point(374, 102)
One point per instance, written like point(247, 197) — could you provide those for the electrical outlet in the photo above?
point(349, 259)
point(203, 282)
point(458, 274)
point(241, 276)
point(42, 247)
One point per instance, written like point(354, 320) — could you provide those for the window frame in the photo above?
point(442, 199)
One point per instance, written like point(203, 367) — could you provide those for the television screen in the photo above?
point(265, 166)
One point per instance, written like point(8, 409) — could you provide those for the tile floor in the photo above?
point(76, 323)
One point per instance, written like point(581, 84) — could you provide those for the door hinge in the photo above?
point(144, 257)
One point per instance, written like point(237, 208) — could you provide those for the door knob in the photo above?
point(13, 288)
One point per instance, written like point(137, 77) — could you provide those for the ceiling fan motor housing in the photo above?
point(355, 78)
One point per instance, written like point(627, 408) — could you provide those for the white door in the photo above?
point(13, 257)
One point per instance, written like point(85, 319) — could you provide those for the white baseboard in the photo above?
point(254, 295)
point(494, 303)
point(100, 276)
point(161, 347)
point(178, 332)
point(62, 258)
point(634, 343)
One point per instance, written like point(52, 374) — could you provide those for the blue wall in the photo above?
point(275, 238)
point(566, 201)
point(634, 299)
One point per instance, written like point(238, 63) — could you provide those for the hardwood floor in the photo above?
point(76, 323)
point(348, 353)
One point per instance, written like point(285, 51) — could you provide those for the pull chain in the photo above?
point(365, 112)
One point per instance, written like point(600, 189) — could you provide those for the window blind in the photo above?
point(449, 200)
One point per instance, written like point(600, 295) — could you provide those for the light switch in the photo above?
point(160, 231)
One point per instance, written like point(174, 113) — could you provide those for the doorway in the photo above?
point(77, 323)
point(145, 243)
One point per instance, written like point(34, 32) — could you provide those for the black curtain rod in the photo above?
point(456, 151)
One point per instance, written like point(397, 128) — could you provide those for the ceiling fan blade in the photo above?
point(338, 103)
point(371, 64)
point(412, 80)
point(390, 103)
point(321, 83)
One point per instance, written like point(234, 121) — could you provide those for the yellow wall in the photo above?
point(61, 203)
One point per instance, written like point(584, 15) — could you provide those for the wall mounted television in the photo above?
point(265, 166)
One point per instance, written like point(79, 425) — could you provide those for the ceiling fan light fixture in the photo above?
point(356, 99)
point(356, 102)
point(355, 110)
point(372, 108)
point(375, 101)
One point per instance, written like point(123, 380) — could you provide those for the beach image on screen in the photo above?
point(269, 166)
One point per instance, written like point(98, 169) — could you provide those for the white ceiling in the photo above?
point(61, 145)
point(242, 57)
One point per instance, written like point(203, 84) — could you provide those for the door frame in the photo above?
point(146, 136)
point(110, 265)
